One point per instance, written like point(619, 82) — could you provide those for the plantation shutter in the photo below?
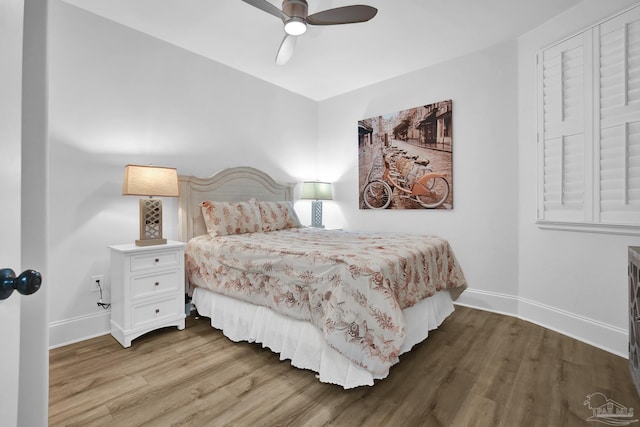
point(589, 128)
point(565, 77)
point(619, 149)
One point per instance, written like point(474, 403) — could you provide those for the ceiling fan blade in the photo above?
point(285, 52)
point(264, 5)
point(343, 15)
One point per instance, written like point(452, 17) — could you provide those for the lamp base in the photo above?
point(151, 242)
point(316, 214)
point(150, 223)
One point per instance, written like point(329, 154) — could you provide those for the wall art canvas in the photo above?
point(405, 159)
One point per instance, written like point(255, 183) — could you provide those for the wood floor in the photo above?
point(478, 369)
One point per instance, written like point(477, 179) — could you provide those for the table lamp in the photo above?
point(150, 181)
point(316, 191)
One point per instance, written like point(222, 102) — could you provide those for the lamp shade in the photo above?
point(150, 181)
point(316, 190)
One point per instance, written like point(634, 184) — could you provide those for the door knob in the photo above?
point(26, 283)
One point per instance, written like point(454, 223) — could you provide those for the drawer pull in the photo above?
point(157, 283)
point(157, 259)
point(157, 310)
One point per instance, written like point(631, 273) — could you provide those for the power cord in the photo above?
point(104, 305)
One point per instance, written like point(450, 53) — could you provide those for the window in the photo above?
point(589, 129)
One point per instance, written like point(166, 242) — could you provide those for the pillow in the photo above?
point(277, 215)
point(224, 218)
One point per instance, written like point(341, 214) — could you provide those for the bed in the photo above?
point(344, 305)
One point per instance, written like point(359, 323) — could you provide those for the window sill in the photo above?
point(585, 227)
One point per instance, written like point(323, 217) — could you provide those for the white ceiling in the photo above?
point(405, 35)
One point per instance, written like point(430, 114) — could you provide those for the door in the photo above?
point(23, 141)
point(11, 27)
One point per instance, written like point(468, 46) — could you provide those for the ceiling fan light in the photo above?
point(295, 26)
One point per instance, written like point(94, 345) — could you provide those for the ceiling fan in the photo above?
point(295, 18)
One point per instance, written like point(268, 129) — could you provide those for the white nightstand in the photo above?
point(147, 289)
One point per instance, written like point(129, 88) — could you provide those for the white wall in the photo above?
point(119, 96)
point(482, 227)
point(569, 281)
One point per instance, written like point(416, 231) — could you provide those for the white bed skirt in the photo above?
point(302, 343)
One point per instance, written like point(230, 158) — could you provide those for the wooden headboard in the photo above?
point(237, 184)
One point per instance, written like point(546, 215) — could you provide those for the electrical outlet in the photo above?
point(94, 283)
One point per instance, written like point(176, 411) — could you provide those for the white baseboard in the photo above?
point(489, 301)
point(76, 329)
point(598, 334)
point(606, 337)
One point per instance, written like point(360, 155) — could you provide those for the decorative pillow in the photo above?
point(277, 215)
point(224, 218)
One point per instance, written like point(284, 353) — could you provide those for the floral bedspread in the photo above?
point(352, 286)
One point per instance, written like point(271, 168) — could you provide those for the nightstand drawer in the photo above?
point(152, 311)
point(155, 260)
point(142, 286)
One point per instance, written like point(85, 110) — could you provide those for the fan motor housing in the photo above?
point(295, 8)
